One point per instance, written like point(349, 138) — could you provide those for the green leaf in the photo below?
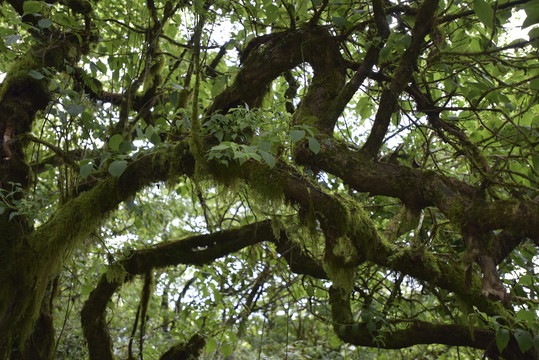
point(13, 214)
point(536, 342)
point(535, 161)
point(339, 21)
point(268, 158)
point(484, 12)
point(31, 7)
point(532, 14)
point(36, 75)
point(152, 135)
point(44, 23)
point(74, 109)
point(297, 135)
point(227, 349)
point(524, 339)
point(10, 39)
point(117, 167)
point(174, 98)
point(115, 141)
point(314, 145)
point(211, 346)
point(526, 315)
point(126, 146)
point(502, 338)
point(86, 170)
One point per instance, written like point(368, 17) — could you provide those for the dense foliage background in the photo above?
point(269, 179)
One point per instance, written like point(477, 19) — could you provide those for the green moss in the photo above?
point(116, 273)
point(417, 262)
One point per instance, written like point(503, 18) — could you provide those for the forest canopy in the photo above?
point(310, 179)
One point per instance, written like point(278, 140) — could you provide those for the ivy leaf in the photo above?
point(117, 167)
point(297, 135)
point(484, 12)
point(502, 338)
point(314, 145)
point(524, 339)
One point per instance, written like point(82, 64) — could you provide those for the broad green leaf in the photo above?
point(117, 167)
point(484, 12)
point(211, 345)
point(339, 21)
point(268, 158)
point(536, 342)
point(297, 135)
point(86, 170)
point(126, 146)
point(532, 13)
point(314, 145)
point(74, 109)
point(526, 315)
point(44, 23)
point(115, 141)
point(524, 339)
point(264, 145)
point(31, 7)
point(502, 338)
point(227, 349)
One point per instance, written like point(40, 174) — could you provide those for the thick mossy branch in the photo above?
point(408, 333)
point(269, 56)
point(195, 250)
point(189, 350)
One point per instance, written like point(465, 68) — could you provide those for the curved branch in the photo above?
point(415, 332)
point(195, 250)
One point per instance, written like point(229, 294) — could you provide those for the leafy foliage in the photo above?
point(269, 179)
